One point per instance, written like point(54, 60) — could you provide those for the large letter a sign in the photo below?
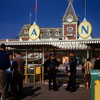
point(34, 32)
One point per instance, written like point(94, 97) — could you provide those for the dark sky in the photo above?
point(15, 13)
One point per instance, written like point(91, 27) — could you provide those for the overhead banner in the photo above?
point(85, 29)
point(34, 32)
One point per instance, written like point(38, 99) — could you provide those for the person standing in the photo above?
point(88, 66)
point(97, 63)
point(11, 58)
point(72, 73)
point(9, 74)
point(18, 73)
point(52, 65)
point(4, 65)
point(93, 60)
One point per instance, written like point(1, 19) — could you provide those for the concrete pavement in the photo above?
point(41, 92)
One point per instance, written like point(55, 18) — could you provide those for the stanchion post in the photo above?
point(25, 73)
point(34, 73)
point(42, 74)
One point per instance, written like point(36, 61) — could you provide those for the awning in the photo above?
point(61, 44)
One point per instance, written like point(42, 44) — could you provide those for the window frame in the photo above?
point(48, 33)
point(57, 33)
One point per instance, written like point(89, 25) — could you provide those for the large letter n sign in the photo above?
point(85, 29)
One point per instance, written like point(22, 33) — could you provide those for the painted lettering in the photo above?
point(34, 32)
point(84, 29)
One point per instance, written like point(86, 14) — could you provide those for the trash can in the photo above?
point(31, 77)
point(95, 84)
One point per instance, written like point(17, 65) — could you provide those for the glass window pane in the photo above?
point(70, 30)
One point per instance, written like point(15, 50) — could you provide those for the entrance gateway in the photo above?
point(60, 39)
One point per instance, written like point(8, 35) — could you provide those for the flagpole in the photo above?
point(36, 12)
point(30, 18)
point(85, 9)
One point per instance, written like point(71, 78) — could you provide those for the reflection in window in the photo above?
point(48, 33)
point(57, 33)
point(25, 31)
point(41, 34)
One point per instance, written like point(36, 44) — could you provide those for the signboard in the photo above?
point(34, 32)
point(85, 29)
point(38, 69)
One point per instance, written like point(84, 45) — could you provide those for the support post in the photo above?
point(87, 52)
point(13, 53)
point(43, 66)
point(43, 56)
point(25, 73)
point(42, 74)
point(26, 57)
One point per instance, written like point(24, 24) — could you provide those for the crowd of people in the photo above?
point(52, 65)
point(11, 74)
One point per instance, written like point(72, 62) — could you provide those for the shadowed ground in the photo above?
point(41, 92)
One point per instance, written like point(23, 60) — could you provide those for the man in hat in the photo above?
point(4, 64)
point(52, 65)
point(72, 72)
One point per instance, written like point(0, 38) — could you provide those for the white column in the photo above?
point(63, 31)
point(76, 32)
point(43, 56)
point(87, 52)
point(13, 53)
point(26, 57)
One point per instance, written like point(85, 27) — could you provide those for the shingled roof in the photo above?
point(26, 26)
point(44, 32)
point(70, 12)
point(52, 31)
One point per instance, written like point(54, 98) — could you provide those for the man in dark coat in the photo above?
point(18, 73)
point(52, 64)
point(72, 72)
point(4, 65)
point(97, 63)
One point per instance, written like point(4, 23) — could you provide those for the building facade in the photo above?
point(68, 31)
point(59, 38)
